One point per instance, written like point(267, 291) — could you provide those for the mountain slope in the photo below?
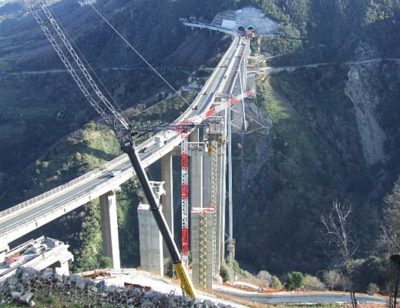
point(333, 134)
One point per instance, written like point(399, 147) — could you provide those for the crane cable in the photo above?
point(88, 65)
point(137, 52)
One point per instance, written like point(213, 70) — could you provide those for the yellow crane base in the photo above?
point(186, 283)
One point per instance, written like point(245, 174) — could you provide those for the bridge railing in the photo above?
point(60, 188)
point(117, 160)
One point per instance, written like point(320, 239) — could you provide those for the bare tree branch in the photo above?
point(340, 243)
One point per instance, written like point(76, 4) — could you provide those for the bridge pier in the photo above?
point(150, 241)
point(222, 196)
point(202, 247)
point(196, 175)
point(109, 227)
point(167, 200)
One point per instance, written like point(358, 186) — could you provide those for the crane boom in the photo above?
point(75, 66)
point(113, 118)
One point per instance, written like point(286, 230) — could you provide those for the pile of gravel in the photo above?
point(26, 283)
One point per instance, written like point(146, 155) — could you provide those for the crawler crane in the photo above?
point(125, 131)
point(113, 117)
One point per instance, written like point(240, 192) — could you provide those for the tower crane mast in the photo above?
point(123, 130)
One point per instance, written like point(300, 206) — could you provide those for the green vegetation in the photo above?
point(269, 281)
point(224, 273)
point(312, 154)
point(89, 254)
point(78, 153)
point(303, 173)
point(294, 281)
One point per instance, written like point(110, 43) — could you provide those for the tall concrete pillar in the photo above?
point(207, 180)
point(167, 200)
point(196, 170)
point(150, 239)
point(202, 247)
point(216, 174)
point(109, 228)
point(221, 206)
point(196, 176)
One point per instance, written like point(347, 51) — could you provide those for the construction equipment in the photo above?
point(121, 126)
point(113, 118)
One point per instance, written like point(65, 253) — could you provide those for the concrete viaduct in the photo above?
point(102, 183)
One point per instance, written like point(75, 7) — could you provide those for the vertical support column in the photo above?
point(109, 228)
point(231, 242)
point(196, 170)
point(206, 179)
point(196, 176)
point(150, 239)
point(202, 247)
point(167, 200)
point(221, 150)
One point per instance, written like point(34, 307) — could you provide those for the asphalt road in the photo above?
point(305, 298)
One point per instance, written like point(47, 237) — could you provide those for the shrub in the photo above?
point(313, 283)
point(332, 279)
point(224, 273)
point(372, 289)
point(294, 281)
point(266, 278)
point(276, 283)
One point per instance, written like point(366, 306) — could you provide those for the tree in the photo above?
point(389, 239)
point(332, 279)
point(313, 283)
point(276, 283)
point(341, 246)
point(294, 281)
point(224, 273)
point(265, 277)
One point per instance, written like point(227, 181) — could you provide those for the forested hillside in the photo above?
point(49, 133)
point(334, 137)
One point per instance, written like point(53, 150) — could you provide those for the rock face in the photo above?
point(253, 152)
point(360, 90)
point(22, 288)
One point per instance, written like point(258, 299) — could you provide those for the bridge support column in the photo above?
point(221, 205)
point(202, 247)
point(151, 241)
point(196, 176)
point(109, 228)
point(167, 200)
